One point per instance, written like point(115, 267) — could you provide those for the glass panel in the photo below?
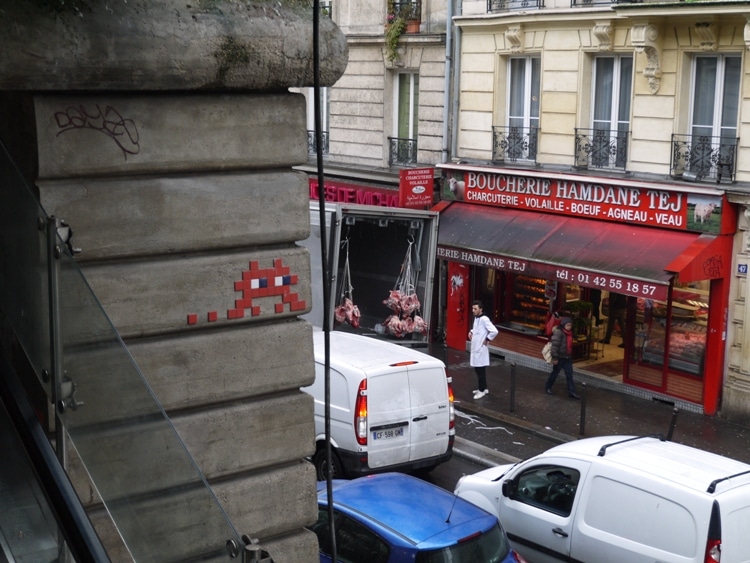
point(516, 95)
point(705, 92)
point(626, 84)
point(603, 84)
point(535, 84)
point(408, 102)
point(27, 524)
point(730, 102)
point(24, 293)
point(157, 497)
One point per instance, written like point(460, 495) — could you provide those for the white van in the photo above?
point(620, 499)
point(391, 407)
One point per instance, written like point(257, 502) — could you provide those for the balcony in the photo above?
point(511, 144)
point(312, 143)
point(326, 9)
point(700, 158)
point(406, 10)
point(601, 149)
point(402, 151)
point(588, 3)
point(494, 6)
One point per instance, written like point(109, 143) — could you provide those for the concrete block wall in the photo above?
point(164, 133)
point(172, 270)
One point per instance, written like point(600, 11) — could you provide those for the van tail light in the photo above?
point(517, 557)
point(713, 544)
point(713, 551)
point(451, 408)
point(360, 414)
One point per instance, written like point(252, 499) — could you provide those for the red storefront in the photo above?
point(529, 244)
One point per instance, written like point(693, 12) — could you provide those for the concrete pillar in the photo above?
point(164, 134)
point(735, 404)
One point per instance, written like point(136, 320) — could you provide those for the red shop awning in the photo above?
point(634, 260)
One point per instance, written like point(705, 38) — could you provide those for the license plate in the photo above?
point(388, 434)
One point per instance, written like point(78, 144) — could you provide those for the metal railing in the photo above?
point(312, 143)
point(402, 151)
point(587, 3)
point(514, 143)
point(699, 158)
point(601, 148)
point(326, 8)
point(510, 5)
point(407, 10)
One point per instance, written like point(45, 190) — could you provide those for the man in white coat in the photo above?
point(480, 335)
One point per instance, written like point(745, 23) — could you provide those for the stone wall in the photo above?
point(164, 135)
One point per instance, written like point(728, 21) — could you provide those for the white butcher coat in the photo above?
point(482, 329)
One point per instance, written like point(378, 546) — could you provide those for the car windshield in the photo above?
point(491, 547)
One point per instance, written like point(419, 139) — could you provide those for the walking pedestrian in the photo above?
point(482, 332)
point(562, 357)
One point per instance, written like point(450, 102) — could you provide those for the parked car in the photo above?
point(391, 407)
point(620, 499)
point(397, 518)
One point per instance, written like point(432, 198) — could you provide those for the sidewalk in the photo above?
point(605, 408)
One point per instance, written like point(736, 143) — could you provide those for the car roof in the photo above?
point(405, 508)
point(365, 352)
point(688, 466)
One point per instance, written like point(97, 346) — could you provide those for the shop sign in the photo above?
point(416, 185)
point(557, 273)
point(343, 192)
point(580, 197)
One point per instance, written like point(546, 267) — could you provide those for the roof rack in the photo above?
point(712, 486)
point(603, 449)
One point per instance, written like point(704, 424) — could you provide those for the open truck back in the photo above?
point(376, 241)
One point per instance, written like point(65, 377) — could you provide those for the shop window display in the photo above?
point(681, 338)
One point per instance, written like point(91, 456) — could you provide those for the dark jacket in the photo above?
point(559, 344)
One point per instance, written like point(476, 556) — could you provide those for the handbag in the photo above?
point(547, 352)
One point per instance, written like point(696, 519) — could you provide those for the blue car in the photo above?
point(397, 518)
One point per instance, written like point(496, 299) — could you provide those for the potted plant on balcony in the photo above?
point(393, 30)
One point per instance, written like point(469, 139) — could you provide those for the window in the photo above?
point(403, 148)
point(407, 110)
point(612, 84)
point(523, 107)
point(715, 107)
point(549, 487)
point(325, 107)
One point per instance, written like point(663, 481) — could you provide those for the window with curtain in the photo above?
point(716, 97)
point(523, 106)
point(407, 105)
point(612, 84)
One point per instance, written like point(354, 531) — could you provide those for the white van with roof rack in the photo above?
point(391, 407)
point(620, 499)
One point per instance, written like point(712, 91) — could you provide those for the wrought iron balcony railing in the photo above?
point(312, 143)
point(699, 158)
point(601, 148)
point(509, 5)
point(402, 151)
point(514, 143)
point(326, 9)
point(587, 3)
point(408, 10)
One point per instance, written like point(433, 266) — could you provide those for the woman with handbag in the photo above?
point(562, 357)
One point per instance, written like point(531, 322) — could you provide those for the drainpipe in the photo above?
point(448, 70)
point(456, 86)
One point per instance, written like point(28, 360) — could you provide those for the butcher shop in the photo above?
point(642, 268)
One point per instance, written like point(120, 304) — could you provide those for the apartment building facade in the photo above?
point(599, 147)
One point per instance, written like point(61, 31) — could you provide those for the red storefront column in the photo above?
point(458, 307)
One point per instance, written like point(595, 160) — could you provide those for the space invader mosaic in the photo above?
point(257, 282)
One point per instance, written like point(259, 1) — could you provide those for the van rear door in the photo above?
point(430, 411)
point(408, 414)
point(388, 417)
